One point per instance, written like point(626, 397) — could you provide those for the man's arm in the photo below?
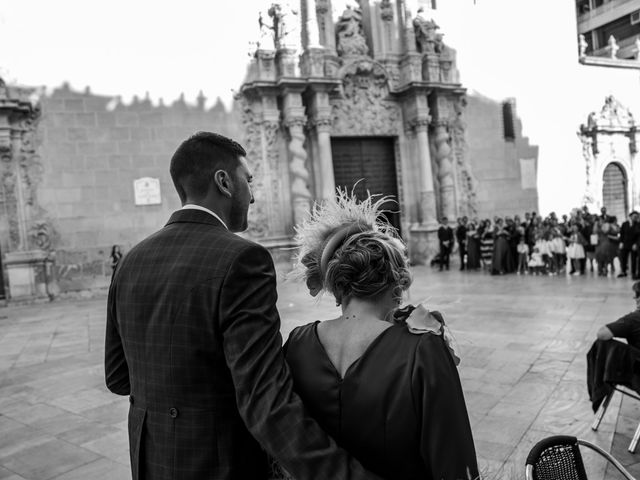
point(115, 364)
point(619, 328)
point(272, 412)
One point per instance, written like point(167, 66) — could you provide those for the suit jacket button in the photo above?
point(173, 412)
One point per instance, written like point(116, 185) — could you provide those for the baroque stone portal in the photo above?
point(370, 74)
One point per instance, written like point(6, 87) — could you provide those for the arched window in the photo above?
point(614, 191)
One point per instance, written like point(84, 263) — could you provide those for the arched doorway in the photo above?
point(614, 191)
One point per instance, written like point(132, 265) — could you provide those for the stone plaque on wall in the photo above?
point(147, 191)
point(528, 173)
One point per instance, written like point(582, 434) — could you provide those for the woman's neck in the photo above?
point(368, 310)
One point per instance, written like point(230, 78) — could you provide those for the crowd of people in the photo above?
point(544, 246)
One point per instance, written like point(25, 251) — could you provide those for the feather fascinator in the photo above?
point(329, 224)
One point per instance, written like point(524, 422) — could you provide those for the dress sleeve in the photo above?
point(252, 344)
point(446, 442)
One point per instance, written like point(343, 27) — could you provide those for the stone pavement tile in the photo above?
point(82, 400)
point(61, 423)
point(493, 450)
point(114, 446)
point(507, 429)
point(48, 460)
point(8, 475)
point(86, 432)
point(481, 403)
point(109, 413)
point(527, 393)
point(102, 469)
point(29, 413)
point(18, 440)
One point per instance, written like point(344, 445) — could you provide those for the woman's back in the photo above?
point(398, 408)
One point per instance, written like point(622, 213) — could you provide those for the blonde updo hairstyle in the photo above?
point(367, 265)
point(347, 247)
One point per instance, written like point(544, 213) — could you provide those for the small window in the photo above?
point(508, 114)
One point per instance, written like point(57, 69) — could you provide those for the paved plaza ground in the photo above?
point(523, 341)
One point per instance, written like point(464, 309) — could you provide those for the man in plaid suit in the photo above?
point(193, 337)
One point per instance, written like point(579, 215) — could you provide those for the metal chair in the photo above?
point(559, 458)
point(603, 408)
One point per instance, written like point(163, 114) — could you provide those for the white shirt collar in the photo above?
point(191, 206)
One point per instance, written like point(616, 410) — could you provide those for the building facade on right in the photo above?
point(609, 37)
point(610, 28)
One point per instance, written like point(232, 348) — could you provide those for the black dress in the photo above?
point(400, 408)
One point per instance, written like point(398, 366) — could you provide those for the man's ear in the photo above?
point(223, 182)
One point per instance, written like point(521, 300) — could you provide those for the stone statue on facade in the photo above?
point(266, 41)
point(612, 47)
point(613, 114)
point(583, 45)
point(349, 33)
point(427, 38)
point(286, 25)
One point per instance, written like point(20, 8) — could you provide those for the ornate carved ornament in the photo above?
point(427, 38)
point(612, 115)
point(386, 11)
point(365, 108)
point(42, 235)
point(286, 25)
point(322, 7)
point(467, 184)
point(350, 34)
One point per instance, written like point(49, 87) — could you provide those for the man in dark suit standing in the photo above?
point(628, 238)
point(445, 238)
point(461, 238)
point(193, 337)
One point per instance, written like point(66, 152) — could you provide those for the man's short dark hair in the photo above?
point(198, 158)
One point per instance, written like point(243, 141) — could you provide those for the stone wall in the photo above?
point(496, 161)
point(92, 148)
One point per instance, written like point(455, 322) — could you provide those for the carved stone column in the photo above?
point(295, 120)
point(428, 213)
point(327, 35)
point(445, 169)
point(321, 122)
point(311, 23)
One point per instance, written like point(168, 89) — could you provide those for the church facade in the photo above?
point(373, 103)
point(369, 100)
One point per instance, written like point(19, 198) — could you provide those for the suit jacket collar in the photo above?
point(194, 216)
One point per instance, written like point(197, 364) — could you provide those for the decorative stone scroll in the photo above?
point(364, 109)
point(466, 187)
point(258, 222)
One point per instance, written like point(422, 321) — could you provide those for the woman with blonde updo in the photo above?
point(380, 379)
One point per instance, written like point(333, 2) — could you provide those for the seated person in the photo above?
point(627, 327)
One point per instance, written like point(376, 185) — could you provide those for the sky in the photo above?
point(506, 48)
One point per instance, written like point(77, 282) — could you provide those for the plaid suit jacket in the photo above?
point(193, 337)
